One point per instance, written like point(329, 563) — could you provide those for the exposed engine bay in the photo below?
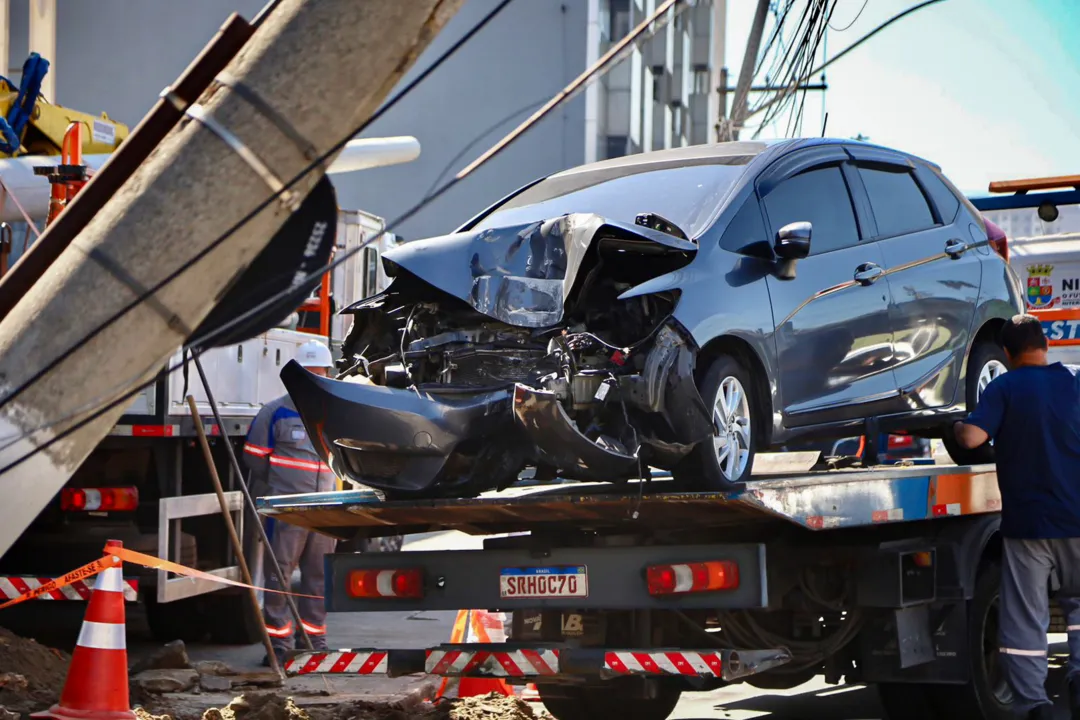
point(507, 348)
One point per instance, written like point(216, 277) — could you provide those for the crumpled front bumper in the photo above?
point(390, 439)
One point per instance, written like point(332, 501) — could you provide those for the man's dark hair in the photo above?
point(1022, 333)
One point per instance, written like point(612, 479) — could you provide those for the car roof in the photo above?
point(720, 151)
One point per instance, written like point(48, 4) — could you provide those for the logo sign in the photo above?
point(1040, 287)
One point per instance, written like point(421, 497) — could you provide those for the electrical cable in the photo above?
point(853, 20)
point(314, 165)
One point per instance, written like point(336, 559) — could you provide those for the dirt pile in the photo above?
point(271, 706)
point(33, 674)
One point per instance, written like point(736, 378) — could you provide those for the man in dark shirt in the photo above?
point(1032, 415)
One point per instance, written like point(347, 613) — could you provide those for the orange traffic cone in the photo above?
point(475, 626)
point(96, 687)
point(530, 693)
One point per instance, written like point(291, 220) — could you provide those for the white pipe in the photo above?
point(366, 153)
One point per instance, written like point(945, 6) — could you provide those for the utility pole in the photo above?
point(319, 66)
point(746, 70)
point(718, 80)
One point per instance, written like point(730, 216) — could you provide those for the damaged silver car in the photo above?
point(681, 309)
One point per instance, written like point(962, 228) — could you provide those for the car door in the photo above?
point(934, 273)
point(832, 333)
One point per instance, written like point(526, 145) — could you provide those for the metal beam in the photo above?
point(43, 41)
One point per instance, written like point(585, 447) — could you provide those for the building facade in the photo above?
point(117, 55)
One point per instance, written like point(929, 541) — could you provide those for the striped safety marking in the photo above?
point(12, 586)
point(891, 515)
point(146, 430)
point(947, 509)
point(701, 664)
point(352, 662)
point(513, 663)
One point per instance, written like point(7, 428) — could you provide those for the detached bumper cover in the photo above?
point(392, 439)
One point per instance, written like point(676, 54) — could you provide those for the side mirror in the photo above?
point(793, 241)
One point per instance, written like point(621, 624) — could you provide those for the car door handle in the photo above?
point(954, 248)
point(867, 273)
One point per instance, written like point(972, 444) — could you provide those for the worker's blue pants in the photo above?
point(1032, 570)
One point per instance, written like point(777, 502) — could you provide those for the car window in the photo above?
point(746, 231)
point(899, 205)
point(820, 197)
point(686, 195)
point(945, 199)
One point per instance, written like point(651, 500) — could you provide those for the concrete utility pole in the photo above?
point(324, 66)
point(718, 79)
point(746, 70)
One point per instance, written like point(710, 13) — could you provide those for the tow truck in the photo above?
point(620, 599)
point(147, 482)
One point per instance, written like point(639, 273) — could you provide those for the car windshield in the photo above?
point(683, 192)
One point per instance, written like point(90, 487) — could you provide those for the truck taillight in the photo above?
point(112, 499)
point(997, 239)
point(692, 577)
point(898, 442)
point(366, 584)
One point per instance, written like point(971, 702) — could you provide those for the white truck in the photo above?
point(1041, 218)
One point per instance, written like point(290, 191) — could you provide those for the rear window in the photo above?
point(687, 195)
point(899, 205)
point(945, 199)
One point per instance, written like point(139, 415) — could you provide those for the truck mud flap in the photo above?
point(548, 662)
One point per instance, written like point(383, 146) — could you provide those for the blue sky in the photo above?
point(988, 89)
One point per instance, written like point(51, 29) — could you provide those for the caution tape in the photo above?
point(86, 571)
point(114, 558)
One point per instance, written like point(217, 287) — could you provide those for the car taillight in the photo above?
point(997, 239)
point(112, 499)
point(692, 577)
point(897, 442)
point(366, 584)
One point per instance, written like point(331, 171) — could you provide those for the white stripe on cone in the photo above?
point(110, 580)
point(102, 636)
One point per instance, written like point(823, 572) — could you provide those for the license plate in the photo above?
point(544, 582)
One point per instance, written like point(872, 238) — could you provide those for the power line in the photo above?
point(315, 164)
point(853, 20)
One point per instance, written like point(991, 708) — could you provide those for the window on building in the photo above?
point(899, 205)
point(616, 146)
point(618, 19)
point(820, 197)
point(702, 80)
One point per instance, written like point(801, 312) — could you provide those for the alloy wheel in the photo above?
point(731, 416)
point(989, 371)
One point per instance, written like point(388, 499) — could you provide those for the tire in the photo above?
point(725, 379)
point(608, 700)
point(987, 360)
point(986, 695)
point(232, 619)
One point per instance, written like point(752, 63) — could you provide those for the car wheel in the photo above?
point(725, 460)
point(986, 362)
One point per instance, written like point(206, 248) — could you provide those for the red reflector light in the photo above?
point(115, 499)
point(692, 577)
point(366, 584)
point(900, 441)
point(997, 239)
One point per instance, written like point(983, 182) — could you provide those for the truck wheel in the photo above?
point(987, 695)
point(232, 619)
point(608, 699)
point(725, 460)
point(986, 362)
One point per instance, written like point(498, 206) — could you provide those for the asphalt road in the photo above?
point(814, 700)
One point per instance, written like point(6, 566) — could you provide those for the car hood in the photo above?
point(523, 274)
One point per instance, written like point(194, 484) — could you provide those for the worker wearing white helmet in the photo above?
point(283, 461)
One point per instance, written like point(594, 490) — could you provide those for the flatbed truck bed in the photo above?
point(623, 597)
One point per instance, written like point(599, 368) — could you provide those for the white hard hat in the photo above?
point(314, 354)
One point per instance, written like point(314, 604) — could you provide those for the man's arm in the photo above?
point(985, 421)
point(257, 448)
point(969, 436)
